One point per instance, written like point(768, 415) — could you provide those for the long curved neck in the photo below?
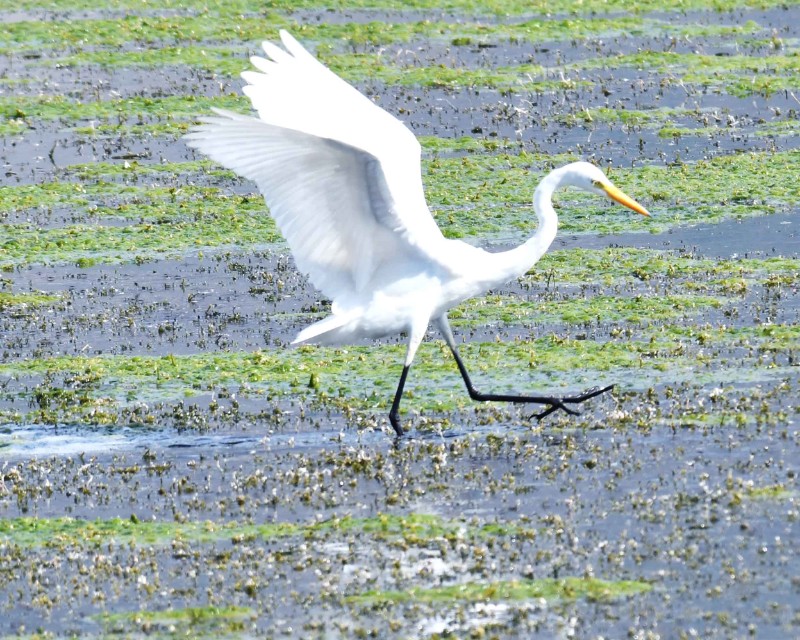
point(517, 261)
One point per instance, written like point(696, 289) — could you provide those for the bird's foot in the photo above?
point(555, 405)
point(561, 403)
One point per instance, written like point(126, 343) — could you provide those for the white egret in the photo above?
point(342, 179)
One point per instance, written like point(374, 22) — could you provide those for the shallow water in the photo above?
point(764, 236)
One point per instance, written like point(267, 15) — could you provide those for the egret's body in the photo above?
point(342, 178)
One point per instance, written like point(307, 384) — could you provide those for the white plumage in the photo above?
point(342, 179)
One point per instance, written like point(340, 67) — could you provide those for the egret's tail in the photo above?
point(327, 331)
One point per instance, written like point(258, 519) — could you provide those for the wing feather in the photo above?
point(295, 91)
point(340, 175)
point(321, 193)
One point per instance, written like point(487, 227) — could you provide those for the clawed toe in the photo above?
point(589, 393)
point(561, 403)
point(555, 405)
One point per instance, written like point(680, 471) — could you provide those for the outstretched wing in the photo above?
point(329, 200)
point(340, 175)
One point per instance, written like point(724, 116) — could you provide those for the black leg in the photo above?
point(394, 414)
point(554, 402)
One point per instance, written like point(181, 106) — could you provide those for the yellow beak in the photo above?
point(627, 201)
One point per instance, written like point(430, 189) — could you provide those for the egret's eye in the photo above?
point(597, 183)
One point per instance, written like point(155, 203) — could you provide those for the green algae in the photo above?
point(148, 30)
point(202, 35)
point(434, 147)
point(353, 67)
point(484, 195)
point(126, 192)
point(607, 266)
point(200, 48)
point(86, 245)
point(419, 528)
point(490, 196)
point(413, 528)
point(95, 390)
point(511, 310)
point(204, 622)
point(746, 491)
point(481, 195)
point(498, 7)
point(169, 227)
point(740, 75)
point(705, 123)
point(362, 378)
point(774, 492)
point(12, 126)
point(96, 197)
point(352, 379)
point(70, 532)
point(217, 59)
point(10, 300)
point(362, 67)
point(781, 128)
point(628, 117)
point(60, 107)
point(672, 131)
point(471, 196)
point(550, 589)
point(199, 31)
point(101, 41)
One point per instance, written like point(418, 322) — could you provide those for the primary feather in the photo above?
point(340, 175)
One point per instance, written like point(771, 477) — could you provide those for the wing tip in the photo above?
point(290, 42)
point(212, 125)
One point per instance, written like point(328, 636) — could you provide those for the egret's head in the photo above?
point(588, 177)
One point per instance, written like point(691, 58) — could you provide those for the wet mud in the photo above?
point(135, 502)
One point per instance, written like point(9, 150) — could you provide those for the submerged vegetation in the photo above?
point(662, 341)
point(546, 589)
point(417, 529)
point(500, 7)
point(25, 300)
point(197, 622)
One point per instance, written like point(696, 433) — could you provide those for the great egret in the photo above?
point(342, 179)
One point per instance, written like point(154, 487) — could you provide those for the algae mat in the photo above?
point(170, 468)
